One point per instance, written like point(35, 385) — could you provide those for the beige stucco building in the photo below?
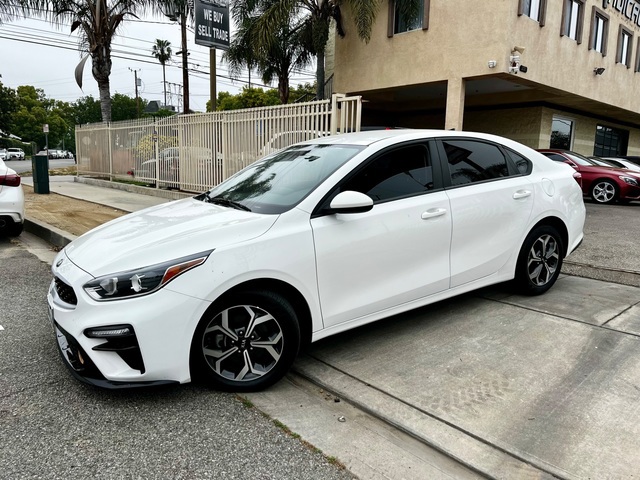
point(561, 73)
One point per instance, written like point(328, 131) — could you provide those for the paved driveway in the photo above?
point(511, 386)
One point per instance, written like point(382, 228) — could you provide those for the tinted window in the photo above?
point(554, 156)
point(522, 164)
point(471, 161)
point(398, 173)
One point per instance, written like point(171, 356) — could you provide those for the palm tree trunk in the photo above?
point(320, 75)
point(283, 90)
point(101, 68)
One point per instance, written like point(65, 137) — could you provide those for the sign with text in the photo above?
point(212, 23)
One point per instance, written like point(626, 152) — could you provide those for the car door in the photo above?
point(396, 252)
point(491, 199)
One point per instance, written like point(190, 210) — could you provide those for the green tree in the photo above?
point(34, 111)
point(288, 47)
point(316, 15)
point(124, 107)
point(86, 110)
point(8, 106)
point(97, 23)
point(248, 98)
point(162, 52)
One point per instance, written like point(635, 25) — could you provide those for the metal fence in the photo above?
point(197, 151)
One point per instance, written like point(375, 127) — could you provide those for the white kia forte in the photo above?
point(313, 240)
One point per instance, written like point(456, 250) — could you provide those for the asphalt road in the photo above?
point(52, 426)
point(21, 166)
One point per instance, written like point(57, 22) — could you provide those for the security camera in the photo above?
point(518, 49)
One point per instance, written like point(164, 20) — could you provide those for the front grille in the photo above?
point(65, 292)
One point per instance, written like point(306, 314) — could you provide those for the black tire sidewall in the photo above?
point(522, 280)
point(271, 302)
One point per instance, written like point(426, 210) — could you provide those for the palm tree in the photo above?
point(8, 10)
point(97, 23)
point(318, 15)
point(162, 51)
point(274, 61)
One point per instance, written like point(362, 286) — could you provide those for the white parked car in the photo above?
point(313, 240)
point(15, 153)
point(11, 202)
point(3, 153)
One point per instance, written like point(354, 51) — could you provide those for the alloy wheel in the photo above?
point(242, 343)
point(604, 192)
point(543, 260)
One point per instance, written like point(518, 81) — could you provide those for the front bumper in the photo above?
point(157, 353)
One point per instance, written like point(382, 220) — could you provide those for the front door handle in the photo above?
point(434, 212)
point(522, 194)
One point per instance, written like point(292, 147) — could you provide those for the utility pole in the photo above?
point(135, 76)
point(212, 78)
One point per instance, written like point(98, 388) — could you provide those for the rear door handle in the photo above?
point(522, 194)
point(434, 212)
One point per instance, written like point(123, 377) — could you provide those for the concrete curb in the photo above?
point(127, 187)
point(49, 233)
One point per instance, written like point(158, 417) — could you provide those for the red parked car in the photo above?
point(602, 184)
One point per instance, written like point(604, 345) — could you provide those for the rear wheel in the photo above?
point(246, 342)
point(540, 261)
point(604, 191)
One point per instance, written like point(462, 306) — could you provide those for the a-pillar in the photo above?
point(455, 104)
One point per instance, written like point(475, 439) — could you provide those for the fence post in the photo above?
point(110, 151)
point(334, 114)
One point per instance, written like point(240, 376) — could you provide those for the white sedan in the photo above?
point(11, 202)
point(313, 240)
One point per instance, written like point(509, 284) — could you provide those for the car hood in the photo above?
point(162, 233)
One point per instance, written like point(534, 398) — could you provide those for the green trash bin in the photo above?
point(40, 167)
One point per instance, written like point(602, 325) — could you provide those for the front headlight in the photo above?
point(629, 180)
point(141, 281)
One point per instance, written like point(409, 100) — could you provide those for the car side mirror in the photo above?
point(351, 202)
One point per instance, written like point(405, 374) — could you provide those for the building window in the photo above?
point(572, 19)
point(561, 133)
point(610, 142)
point(535, 9)
point(407, 18)
point(638, 56)
point(599, 31)
point(625, 38)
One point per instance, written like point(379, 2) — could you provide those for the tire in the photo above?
point(539, 261)
point(604, 192)
point(15, 229)
point(230, 355)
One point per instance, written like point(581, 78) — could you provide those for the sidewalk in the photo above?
point(508, 386)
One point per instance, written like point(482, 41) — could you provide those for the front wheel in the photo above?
point(540, 261)
point(604, 191)
point(246, 342)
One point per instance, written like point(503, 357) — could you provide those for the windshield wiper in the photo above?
point(220, 200)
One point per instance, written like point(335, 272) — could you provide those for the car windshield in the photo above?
point(580, 160)
point(280, 181)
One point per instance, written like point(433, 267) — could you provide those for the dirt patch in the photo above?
point(67, 214)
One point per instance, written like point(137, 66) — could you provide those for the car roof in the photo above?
point(370, 137)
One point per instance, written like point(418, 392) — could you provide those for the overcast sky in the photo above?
point(33, 52)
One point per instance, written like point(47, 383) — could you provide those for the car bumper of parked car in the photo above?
point(122, 343)
point(629, 192)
